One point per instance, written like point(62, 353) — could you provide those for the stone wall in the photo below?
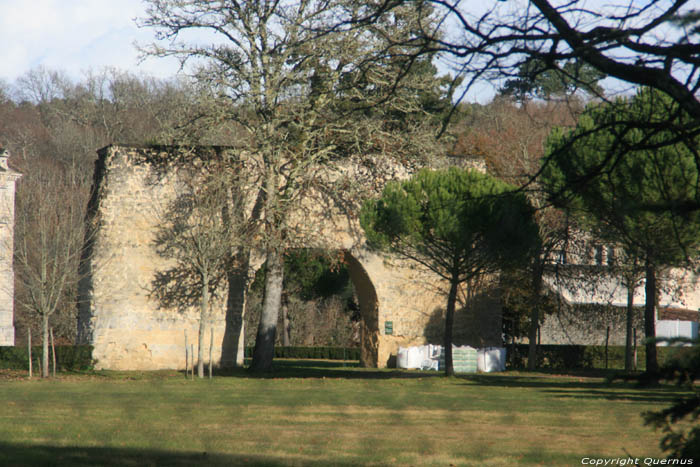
point(128, 328)
point(8, 180)
point(588, 325)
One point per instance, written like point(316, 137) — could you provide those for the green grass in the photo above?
point(323, 414)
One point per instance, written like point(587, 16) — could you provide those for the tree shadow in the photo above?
point(477, 324)
point(319, 369)
point(656, 396)
point(22, 454)
point(579, 388)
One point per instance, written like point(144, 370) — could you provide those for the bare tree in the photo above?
point(49, 236)
point(199, 231)
point(291, 85)
point(51, 123)
point(650, 43)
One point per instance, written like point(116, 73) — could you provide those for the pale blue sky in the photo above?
point(73, 36)
point(76, 36)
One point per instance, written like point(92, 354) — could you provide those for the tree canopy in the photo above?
point(641, 196)
point(638, 201)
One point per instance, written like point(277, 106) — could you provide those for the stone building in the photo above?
point(399, 301)
point(593, 299)
point(8, 180)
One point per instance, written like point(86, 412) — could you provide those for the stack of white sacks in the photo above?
point(427, 357)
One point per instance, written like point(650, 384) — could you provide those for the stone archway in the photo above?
point(128, 330)
point(367, 296)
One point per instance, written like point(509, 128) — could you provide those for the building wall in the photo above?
point(589, 325)
point(8, 180)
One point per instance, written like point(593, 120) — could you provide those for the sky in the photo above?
point(74, 36)
point(77, 36)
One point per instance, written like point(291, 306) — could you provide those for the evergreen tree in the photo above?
point(640, 197)
point(461, 224)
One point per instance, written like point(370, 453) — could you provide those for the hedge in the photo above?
point(68, 357)
point(320, 353)
point(570, 357)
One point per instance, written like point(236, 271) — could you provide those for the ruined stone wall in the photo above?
point(129, 330)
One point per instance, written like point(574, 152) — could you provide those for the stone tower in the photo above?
point(8, 179)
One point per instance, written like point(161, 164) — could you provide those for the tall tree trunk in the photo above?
point(265, 340)
point(203, 312)
point(45, 346)
point(449, 324)
point(537, 273)
point(629, 355)
point(650, 319)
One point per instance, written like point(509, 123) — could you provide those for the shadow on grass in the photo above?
point(292, 368)
point(19, 455)
point(326, 369)
point(579, 388)
point(577, 383)
point(661, 396)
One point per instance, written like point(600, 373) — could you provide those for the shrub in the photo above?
point(321, 353)
point(571, 357)
point(68, 357)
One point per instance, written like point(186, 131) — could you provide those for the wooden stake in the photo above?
point(635, 349)
point(607, 339)
point(29, 350)
point(53, 352)
point(192, 366)
point(187, 357)
point(211, 345)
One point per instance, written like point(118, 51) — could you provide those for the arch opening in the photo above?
point(328, 300)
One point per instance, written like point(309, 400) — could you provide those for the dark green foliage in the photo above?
point(518, 299)
point(68, 357)
point(630, 176)
point(318, 298)
point(575, 357)
point(637, 197)
point(452, 218)
point(537, 78)
point(680, 443)
point(313, 274)
point(320, 353)
point(310, 274)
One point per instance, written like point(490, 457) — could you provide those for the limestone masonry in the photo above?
point(8, 179)
point(400, 302)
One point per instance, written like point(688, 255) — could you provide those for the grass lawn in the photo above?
point(322, 414)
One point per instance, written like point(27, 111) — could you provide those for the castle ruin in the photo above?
point(131, 331)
